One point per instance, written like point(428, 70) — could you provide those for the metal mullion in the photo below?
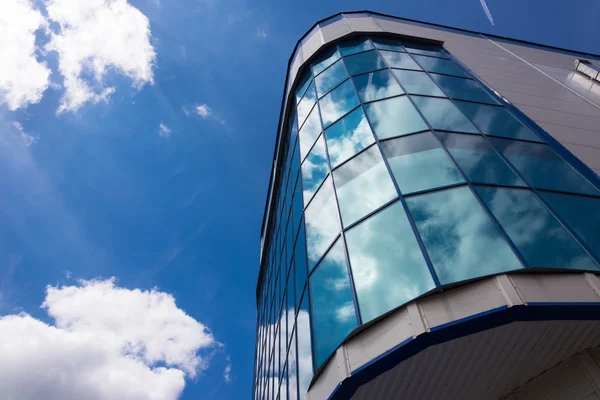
point(337, 203)
point(312, 146)
point(307, 115)
point(387, 139)
point(385, 98)
point(435, 189)
point(370, 214)
point(315, 192)
point(353, 156)
point(464, 176)
point(371, 71)
point(333, 88)
point(454, 98)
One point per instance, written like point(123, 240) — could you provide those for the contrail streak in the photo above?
point(487, 11)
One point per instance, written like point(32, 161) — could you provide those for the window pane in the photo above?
point(443, 115)
point(387, 263)
point(301, 270)
point(465, 89)
point(314, 169)
point(478, 160)
point(543, 168)
point(305, 80)
point(377, 85)
point(331, 77)
point(348, 136)
point(327, 58)
point(334, 314)
point(322, 225)
point(394, 117)
point(581, 213)
point(496, 121)
point(399, 60)
point(363, 184)
point(439, 65)
point(304, 337)
point(355, 46)
point(461, 240)
point(415, 82)
point(293, 369)
point(307, 103)
point(364, 62)
point(309, 132)
point(419, 163)
point(424, 49)
point(338, 102)
point(542, 240)
point(387, 44)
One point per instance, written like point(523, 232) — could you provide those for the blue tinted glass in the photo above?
point(298, 205)
point(364, 62)
point(348, 136)
point(581, 213)
point(322, 223)
point(461, 240)
point(327, 58)
point(331, 77)
point(363, 184)
point(439, 65)
point(301, 267)
point(543, 168)
point(496, 121)
point(387, 44)
point(443, 115)
point(465, 89)
point(478, 160)
point(387, 264)
point(294, 127)
point(295, 163)
point(419, 163)
point(293, 370)
point(309, 132)
point(314, 169)
point(394, 117)
point(305, 80)
point(377, 85)
point(304, 337)
point(338, 102)
point(307, 103)
point(355, 46)
point(333, 311)
point(415, 82)
point(424, 49)
point(399, 60)
point(541, 239)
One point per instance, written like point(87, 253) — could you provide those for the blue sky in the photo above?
point(159, 178)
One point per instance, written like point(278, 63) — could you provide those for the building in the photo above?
point(432, 227)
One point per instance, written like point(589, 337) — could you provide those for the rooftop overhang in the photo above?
point(483, 340)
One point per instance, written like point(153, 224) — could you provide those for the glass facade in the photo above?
point(398, 173)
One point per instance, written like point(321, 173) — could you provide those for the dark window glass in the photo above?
point(399, 60)
point(465, 89)
point(334, 314)
point(424, 49)
point(295, 163)
point(543, 168)
point(301, 266)
point(478, 160)
point(364, 62)
point(305, 80)
point(293, 370)
point(314, 169)
point(363, 184)
point(419, 163)
point(387, 264)
point(415, 82)
point(304, 337)
point(496, 121)
point(387, 44)
point(338, 102)
point(581, 213)
point(306, 104)
point(298, 206)
point(322, 223)
point(309, 132)
point(348, 136)
point(394, 117)
point(542, 240)
point(461, 240)
point(327, 58)
point(439, 65)
point(331, 77)
point(353, 46)
point(377, 85)
point(443, 115)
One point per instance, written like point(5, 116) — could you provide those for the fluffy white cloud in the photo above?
point(204, 110)
point(164, 130)
point(95, 36)
point(106, 342)
point(23, 79)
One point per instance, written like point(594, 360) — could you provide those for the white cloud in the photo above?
point(23, 79)
point(260, 33)
point(95, 36)
point(106, 342)
point(227, 372)
point(204, 111)
point(164, 130)
point(27, 139)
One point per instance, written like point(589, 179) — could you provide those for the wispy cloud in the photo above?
point(163, 130)
point(205, 112)
point(27, 138)
point(261, 33)
point(487, 11)
point(227, 372)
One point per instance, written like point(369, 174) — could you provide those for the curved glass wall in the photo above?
point(401, 173)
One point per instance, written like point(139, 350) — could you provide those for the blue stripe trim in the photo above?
point(496, 317)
